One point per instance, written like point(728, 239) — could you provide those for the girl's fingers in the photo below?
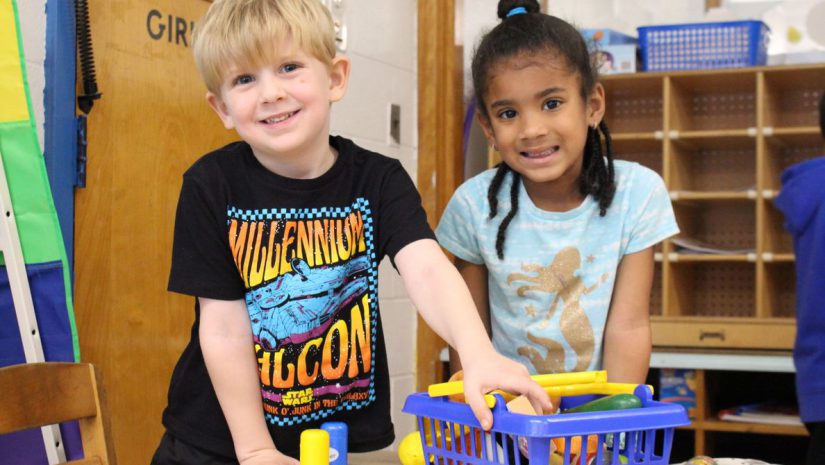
point(475, 399)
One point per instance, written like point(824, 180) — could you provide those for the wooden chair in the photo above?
point(39, 394)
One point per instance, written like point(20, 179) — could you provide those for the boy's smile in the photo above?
point(281, 107)
point(538, 122)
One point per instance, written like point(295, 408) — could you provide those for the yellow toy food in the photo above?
point(410, 451)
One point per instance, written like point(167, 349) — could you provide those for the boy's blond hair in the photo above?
point(249, 32)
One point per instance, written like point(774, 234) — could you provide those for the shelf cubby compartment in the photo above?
point(792, 97)
point(779, 290)
point(645, 151)
point(777, 243)
point(634, 105)
point(725, 165)
point(785, 149)
point(728, 224)
point(725, 102)
point(713, 290)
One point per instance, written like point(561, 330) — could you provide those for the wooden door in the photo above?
point(150, 125)
point(440, 113)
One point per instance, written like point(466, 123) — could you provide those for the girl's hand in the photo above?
point(267, 457)
point(488, 370)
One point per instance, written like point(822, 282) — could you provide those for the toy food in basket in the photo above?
point(633, 436)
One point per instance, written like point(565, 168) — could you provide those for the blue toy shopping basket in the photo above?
point(728, 44)
point(635, 436)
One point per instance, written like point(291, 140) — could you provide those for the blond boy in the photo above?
point(282, 233)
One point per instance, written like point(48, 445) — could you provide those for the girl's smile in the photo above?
point(540, 154)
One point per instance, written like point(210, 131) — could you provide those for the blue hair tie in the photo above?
point(516, 11)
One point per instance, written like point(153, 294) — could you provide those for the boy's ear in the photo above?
point(596, 105)
point(338, 77)
point(220, 108)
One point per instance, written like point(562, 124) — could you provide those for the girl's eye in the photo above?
point(552, 104)
point(244, 79)
point(507, 114)
point(290, 67)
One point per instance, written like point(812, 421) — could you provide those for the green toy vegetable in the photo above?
point(614, 402)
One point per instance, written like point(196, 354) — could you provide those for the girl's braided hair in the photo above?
point(532, 32)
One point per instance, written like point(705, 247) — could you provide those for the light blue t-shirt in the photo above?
point(550, 295)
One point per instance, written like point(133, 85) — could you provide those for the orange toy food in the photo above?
point(457, 376)
point(576, 444)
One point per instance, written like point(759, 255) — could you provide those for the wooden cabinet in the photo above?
point(725, 380)
point(720, 139)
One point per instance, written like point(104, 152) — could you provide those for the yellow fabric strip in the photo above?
point(13, 105)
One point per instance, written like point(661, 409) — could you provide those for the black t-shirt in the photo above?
point(304, 255)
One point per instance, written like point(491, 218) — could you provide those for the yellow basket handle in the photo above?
point(556, 379)
point(556, 385)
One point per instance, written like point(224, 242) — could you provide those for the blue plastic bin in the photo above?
point(731, 44)
point(645, 433)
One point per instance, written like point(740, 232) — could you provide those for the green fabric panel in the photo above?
point(30, 193)
point(35, 214)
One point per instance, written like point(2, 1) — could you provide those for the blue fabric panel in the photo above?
point(49, 298)
point(26, 447)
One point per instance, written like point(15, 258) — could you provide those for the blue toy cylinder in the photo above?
point(337, 441)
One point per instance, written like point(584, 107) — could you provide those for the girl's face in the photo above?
point(538, 120)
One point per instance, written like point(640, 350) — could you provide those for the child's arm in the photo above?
point(475, 276)
point(226, 342)
point(627, 342)
point(445, 303)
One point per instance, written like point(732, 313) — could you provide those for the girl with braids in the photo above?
point(556, 242)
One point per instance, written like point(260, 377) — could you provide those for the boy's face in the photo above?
point(281, 109)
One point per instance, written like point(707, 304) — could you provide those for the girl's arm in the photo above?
point(226, 341)
point(443, 300)
point(627, 342)
point(475, 276)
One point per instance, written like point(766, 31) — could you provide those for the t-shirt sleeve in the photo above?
point(650, 216)
point(202, 263)
point(456, 231)
point(402, 219)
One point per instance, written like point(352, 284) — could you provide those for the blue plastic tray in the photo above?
point(646, 433)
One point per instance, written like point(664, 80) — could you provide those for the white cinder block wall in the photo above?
point(381, 42)
point(382, 46)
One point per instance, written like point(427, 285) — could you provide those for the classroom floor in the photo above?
point(379, 457)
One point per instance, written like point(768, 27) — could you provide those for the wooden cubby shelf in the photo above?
point(724, 381)
point(721, 139)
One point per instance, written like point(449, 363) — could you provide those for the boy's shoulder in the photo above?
point(236, 159)
point(353, 152)
point(219, 159)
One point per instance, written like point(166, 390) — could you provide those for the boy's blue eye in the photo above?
point(551, 104)
point(244, 79)
point(507, 114)
point(290, 67)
